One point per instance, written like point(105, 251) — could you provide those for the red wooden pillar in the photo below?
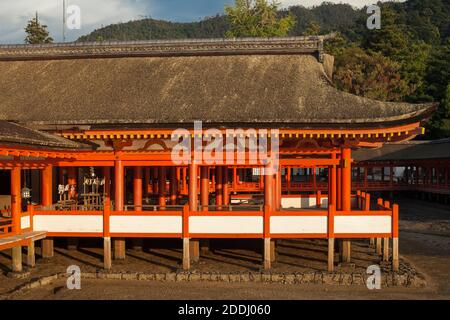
point(274, 204)
point(346, 196)
point(391, 175)
point(173, 185)
point(446, 177)
point(154, 181)
point(235, 181)
point(366, 173)
point(268, 189)
point(219, 186)
point(146, 181)
point(193, 186)
point(16, 203)
point(185, 187)
point(119, 176)
point(107, 176)
point(346, 179)
point(194, 245)
point(269, 200)
point(279, 185)
point(339, 184)
point(226, 191)
point(72, 177)
point(162, 186)
point(137, 188)
point(46, 181)
point(204, 188)
point(16, 200)
point(47, 200)
point(119, 195)
point(333, 182)
point(137, 202)
point(288, 179)
point(314, 176)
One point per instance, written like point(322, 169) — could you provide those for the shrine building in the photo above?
point(88, 134)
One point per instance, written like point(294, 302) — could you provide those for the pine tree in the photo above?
point(37, 33)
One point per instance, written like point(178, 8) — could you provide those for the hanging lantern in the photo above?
point(26, 193)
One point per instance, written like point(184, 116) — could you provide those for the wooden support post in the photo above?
point(186, 258)
point(186, 242)
point(331, 213)
point(194, 250)
point(346, 251)
point(385, 249)
point(395, 259)
point(31, 257)
point(273, 250)
point(119, 249)
point(47, 248)
point(72, 243)
point(330, 254)
point(107, 263)
point(119, 176)
point(17, 259)
point(267, 253)
point(378, 248)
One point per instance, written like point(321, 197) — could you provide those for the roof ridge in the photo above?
point(177, 47)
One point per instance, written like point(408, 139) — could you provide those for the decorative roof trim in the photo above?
point(162, 48)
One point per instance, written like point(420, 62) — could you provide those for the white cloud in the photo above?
point(15, 14)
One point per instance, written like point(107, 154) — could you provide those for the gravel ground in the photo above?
point(424, 241)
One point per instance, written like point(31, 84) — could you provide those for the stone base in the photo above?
point(19, 275)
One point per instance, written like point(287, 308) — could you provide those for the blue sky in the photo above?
point(96, 13)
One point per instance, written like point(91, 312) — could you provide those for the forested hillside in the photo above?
point(408, 59)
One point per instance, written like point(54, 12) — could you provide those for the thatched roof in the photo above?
point(14, 134)
point(410, 150)
point(271, 82)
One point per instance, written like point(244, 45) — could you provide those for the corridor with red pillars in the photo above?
point(215, 159)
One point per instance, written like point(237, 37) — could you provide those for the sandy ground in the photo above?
point(424, 241)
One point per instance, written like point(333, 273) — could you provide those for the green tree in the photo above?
point(370, 75)
point(437, 83)
point(257, 18)
point(392, 39)
point(313, 29)
point(37, 33)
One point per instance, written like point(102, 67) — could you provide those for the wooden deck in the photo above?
point(23, 239)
